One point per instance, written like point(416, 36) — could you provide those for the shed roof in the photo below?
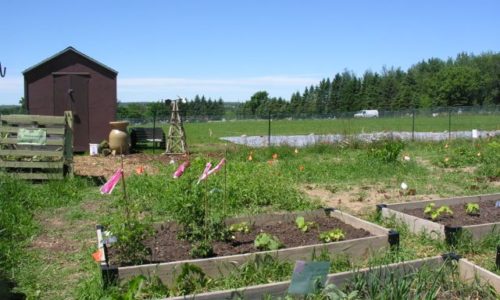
point(69, 49)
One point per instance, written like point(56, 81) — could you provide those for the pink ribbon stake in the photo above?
point(207, 172)
point(180, 170)
point(217, 167)
point(204, 175)
point(108, 187)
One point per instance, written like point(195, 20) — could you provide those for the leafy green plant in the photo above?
point(202, 249)
point(191, 279)
point(242, 227)
point(130, 222)
point(472, 208)
point(333, 235)
point(265, 241)
point(138, 288)
point(435, 213)
point(303, 225)
point(387, 151)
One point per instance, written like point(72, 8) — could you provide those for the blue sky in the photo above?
point(231, 49)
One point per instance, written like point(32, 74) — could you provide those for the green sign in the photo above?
point(308, 276)
point(31, 137)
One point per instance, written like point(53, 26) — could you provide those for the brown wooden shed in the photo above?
point(71, 80)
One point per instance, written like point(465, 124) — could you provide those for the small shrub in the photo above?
point(333, 235)
point(202, 249)
point(265, 241)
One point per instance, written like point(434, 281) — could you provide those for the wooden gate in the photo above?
point(37, 147)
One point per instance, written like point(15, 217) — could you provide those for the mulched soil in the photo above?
point(488, 214)
point(166, 247)
point(105, 166)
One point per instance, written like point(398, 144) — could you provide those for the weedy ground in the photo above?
point(47, 230)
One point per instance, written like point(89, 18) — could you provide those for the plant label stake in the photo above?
point(308, 277)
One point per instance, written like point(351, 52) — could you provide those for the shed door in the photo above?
point(71, 93)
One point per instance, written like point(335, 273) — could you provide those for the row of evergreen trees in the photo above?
point(464, 81)
point(199, 106)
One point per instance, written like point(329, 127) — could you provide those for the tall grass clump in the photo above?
point(428, 282)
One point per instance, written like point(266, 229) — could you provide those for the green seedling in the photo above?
point(333, 235)
point(472, 209)
point(265, 241)
point(436, 213)
point(242, 227)
point(429, 208)
point(303, 225)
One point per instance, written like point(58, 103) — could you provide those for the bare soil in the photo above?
point(166, 247)
point(359, 200)
point(488, 214)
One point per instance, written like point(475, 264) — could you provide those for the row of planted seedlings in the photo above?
point(448, 275)
point(205, 241)
point(469, 224)
point(205, 246)
point(459, 221)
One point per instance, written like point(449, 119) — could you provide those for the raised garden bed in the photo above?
point(446, 225)
point(467, 272)
point(168, 254)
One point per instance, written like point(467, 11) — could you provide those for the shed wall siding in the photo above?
point(102, 93)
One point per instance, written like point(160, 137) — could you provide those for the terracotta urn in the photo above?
point(118, 137)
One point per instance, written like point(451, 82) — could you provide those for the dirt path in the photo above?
point(360, 200)
point(63, 248)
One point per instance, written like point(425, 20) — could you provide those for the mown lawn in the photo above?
point(210, 132)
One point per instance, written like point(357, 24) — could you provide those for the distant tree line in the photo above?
point(199, 106)
point(466, 80)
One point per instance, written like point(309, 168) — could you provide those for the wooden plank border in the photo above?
point(435, 230)
point(217, 267)
point(59, 147)
point(14, 129)
point(33, 119)
point(467, 272)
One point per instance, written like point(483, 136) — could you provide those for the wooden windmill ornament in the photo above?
point(176, 140)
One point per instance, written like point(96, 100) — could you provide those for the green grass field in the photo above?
point(211, 132)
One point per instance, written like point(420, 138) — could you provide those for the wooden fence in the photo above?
point(37, 147)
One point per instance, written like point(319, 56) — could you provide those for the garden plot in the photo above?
point(413, 279)
point(443, 218)
point(359, 239)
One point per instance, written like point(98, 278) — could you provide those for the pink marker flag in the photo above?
point(204, 175)
point(180, 170)
point(217, 167)
point(108, 187)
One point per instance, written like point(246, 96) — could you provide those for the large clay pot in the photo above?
point(118, 137)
